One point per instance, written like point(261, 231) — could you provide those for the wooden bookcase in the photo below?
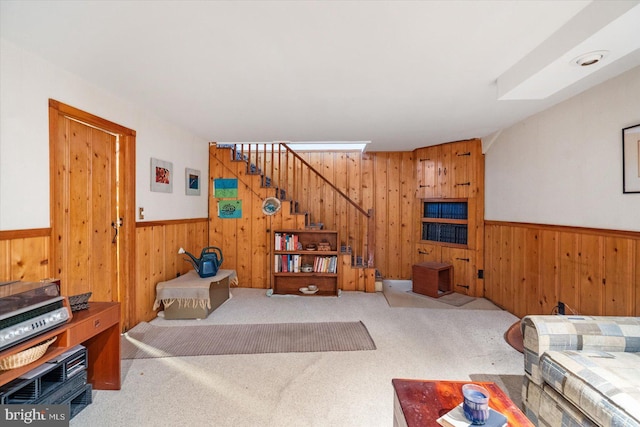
point(291, 254)
point(445, 221)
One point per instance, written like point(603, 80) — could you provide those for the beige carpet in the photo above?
point(333, 388)
point(399, 294)
point(149, 341)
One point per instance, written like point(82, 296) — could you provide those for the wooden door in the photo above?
point(85, 206)
point(463, 269)
point(461, 166)
point(444, 171)
point(427, 253)
point(92, 199)
point(426, 165)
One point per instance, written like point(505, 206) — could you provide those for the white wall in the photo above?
point(564, 165)
point(26, 84)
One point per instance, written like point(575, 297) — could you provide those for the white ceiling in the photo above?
point(399, 74)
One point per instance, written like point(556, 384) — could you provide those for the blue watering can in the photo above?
point(208, 263)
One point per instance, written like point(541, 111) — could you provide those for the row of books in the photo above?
point(448, 233)
point(293, 264)
point(286, 242)
point(446, 210)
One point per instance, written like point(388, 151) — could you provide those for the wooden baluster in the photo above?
point(271, 173)
point(279, 171)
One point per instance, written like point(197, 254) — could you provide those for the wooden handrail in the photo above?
point(336, 189)
point(291, 184)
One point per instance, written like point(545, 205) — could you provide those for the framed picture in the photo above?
point(230, 209)
point(161, 176)
point(225, 188)
point(192, 182)
point(631, 159)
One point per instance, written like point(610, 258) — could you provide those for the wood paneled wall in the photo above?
point(157, 257)
point(24, 255)
point(245, 242)
point(530, 267)
point(382, 181)
point(393, 179)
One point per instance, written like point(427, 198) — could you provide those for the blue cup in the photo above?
point(476, 403)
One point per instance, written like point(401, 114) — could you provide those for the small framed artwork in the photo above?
point(161, 176)
point(230, 209)
point(631, 159)
point(192, 182)
point(225, 188)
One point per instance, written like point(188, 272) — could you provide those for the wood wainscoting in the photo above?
point(530, 267)
point(24, 255)
point(157, 257)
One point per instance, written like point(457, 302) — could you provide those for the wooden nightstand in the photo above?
point(433, 279)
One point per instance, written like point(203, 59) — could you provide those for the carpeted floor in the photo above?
point(399, 294)
point(149, 341)
point(333, 388)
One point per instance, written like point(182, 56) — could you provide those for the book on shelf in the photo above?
point(325, 264)
point(287, 263)
point(286, 242)
point(291, 263)
point(456, 418)
point(446, 210)
point(448, 233)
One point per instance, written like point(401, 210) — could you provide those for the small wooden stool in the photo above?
point(433, 279)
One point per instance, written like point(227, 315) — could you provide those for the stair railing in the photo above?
point(297, 181)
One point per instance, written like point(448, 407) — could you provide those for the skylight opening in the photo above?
point(328, 145)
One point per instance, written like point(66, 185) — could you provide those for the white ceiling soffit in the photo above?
point(612, 27)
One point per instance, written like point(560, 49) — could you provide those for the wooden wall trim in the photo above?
point(170, 222)
point(568, 229)
point(89, 118)
point(25, 234)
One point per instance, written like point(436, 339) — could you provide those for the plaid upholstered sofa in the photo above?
point(581, 370)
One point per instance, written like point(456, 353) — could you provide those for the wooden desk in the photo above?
point(98, 329)
point(419, 403)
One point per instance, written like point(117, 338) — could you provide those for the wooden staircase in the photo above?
point(308, 201)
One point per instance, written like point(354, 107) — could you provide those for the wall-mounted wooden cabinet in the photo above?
point(450, 214)
point(448, 170)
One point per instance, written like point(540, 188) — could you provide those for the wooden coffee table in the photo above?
point(418, 403)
